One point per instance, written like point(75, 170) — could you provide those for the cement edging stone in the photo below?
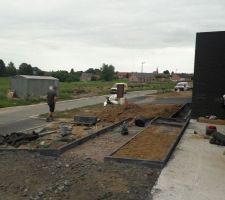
point(152, 163)
point(58, 151)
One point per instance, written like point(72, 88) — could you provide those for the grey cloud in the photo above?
point(123, 24)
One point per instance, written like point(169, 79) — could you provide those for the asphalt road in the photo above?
point(25, 117)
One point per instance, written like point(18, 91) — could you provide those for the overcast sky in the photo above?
point(65, 34)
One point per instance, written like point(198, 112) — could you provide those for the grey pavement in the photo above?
point(196, 171)
point(21, 125)
point(24, 117)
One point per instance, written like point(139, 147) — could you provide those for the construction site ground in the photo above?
point(106, 116)
point(152, 144)
point(20, 118)
point(81, 173)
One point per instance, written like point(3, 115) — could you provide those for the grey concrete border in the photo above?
point(58, 151)
point(180, 110)
point(86, 138)
point(152, 163)
point(168, 121)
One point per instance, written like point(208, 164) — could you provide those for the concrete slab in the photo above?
point(197, 170)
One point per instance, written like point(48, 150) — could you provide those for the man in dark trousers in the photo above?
point(51, 100)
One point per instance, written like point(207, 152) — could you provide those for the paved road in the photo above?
point(25, 117)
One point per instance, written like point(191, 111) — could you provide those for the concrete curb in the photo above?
point(58, 151)
point(152, 163)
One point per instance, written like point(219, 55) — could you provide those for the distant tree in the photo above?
point(25, 69)
point(38, 72)
point(97, 71)
point(72, 71)
point(62, 75)
point(90, 70)
point(166, 72)
point(73, 77)
point(161, 75)
point(93, 71)
point(107, 72)
point(65, 76)
point(11, 69)
point(2, 68)
point(78, 73)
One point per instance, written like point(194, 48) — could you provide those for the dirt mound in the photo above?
point(173, 94)
point(114, 113)
point(211, 121)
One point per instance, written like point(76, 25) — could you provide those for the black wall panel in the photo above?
point(209, 75)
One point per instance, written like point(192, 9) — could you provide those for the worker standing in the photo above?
point(51, 100)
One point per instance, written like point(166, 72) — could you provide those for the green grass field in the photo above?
point(4, 84)
point(6, 102)
point(78, 89)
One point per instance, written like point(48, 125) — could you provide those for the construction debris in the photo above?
point(210, 129)
point(211, 117)
point(124, 128)
point(140, 121)
point(217, 138)
point(16, 139)
point(111, 100)
point(65, 130)
point(85, 120)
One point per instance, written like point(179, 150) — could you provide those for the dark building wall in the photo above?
point(209, 75)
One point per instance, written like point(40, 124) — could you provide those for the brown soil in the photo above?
point(107, 115)
point(214, 121)
point(115, 113)
point(181, 94)
point(151, 144)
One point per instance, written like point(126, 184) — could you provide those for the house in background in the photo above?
point(122, 75)
point(32, 86)
point(186, 76)
point(156, 71)
point(181, 77)
point(89, 77)
point(175, 77)
point(141, 77)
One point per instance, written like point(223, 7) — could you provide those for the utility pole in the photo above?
point(142, 75)
point(142, 63)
